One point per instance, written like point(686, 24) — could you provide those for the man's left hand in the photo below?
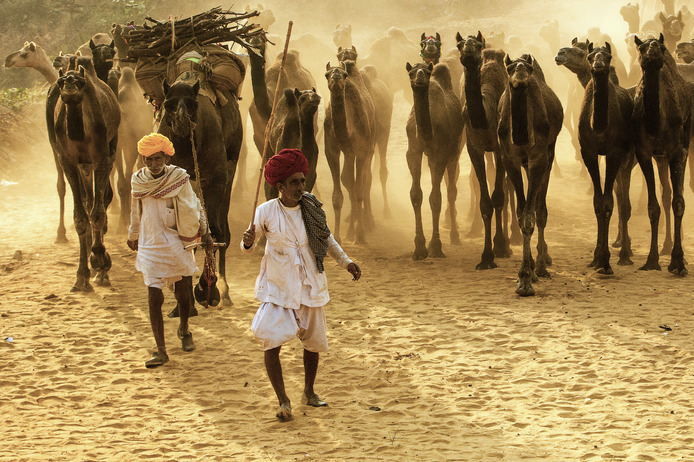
point(355, 271)
point(206, 240)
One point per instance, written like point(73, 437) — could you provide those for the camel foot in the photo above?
point(667, 248)
point(651, 264)
point(486, 264)
point(82, 284)
point(436, 249)
point(541, 272)
point(677, 269)
point(361, 240)
point(420, 254)
point(60, 239)
point(606, 270)
point(101, 279)
point(516, 238)
point(525, 288)
point(624, 261)
point(455, 238)
point(502, 251)
point(473, 233)
point(175, 313)
point(617, 243)
point(593, 263)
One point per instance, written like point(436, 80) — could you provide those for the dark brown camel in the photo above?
point(83, 130)
point(349, 129)
point(604, 129)
point(33, 56)
point(662, 123)
point(485, 81)
point(434, 129)
point(530, 116)
point(217, 133)
point(383, 105)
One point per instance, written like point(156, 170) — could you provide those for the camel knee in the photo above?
point(678, 206)
point(416, 197)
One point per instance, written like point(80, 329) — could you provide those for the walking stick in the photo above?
point(270, 121)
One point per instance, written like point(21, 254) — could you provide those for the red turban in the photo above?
point(284, 164)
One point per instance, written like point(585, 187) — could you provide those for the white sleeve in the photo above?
point(135, 217)
point(259, 223)
point(335, 251)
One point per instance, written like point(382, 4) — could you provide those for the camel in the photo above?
point(136, 122)
point(530, 116)
point(604, 129)
point(434, 129)
point(431, 48)
point(383, 105)
point(190, 116)
point(342, 36)
point(350, 128)
point(83, 130)
point(485, 81)
point(685, 52)
point(293, 128)
point(662, 123)
point(33, 56)
point(672, 29)
point(102, 55)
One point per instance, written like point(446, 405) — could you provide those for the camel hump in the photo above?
point(370, 71)
point(442, 74)
point(493, 55)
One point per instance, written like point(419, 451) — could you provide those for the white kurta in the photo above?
point(289, 275)
point(160, 256)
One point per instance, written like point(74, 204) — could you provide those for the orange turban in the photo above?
point(284, 164)
point(154, 143)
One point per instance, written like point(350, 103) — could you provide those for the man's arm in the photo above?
point(135, 217)
point(336, 252)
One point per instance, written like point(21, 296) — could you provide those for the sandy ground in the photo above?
point(429, 360)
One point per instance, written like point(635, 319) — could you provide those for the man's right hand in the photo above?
point(132, 244)
point(249, 237)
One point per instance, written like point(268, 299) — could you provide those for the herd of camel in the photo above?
point(486, 95)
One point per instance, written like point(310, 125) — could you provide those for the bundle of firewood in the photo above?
point(161, 38)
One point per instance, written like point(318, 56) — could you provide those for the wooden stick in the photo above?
point(270, 121)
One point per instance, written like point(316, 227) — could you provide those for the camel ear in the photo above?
point(587, 41)
point(408, 66)
point(112, 44)
point(479, 37)
point(679, 15)
point(609, 48)
point(423, 37)
point(458, 37)
point(507, 60)
point(165, 84)
point(297, 93)
point(81, 71)
point(354, 49)
point(339, 49)
point(661, 39)
point(637, 41)
point(590, 47)
point(661, 16)
point(327, 66)
point(574, 41)
point(32, 46)
point(313, 89)
point(438, 37)
point(61, 72)
point(196, 87)
point(92, 45)
point(60, 53)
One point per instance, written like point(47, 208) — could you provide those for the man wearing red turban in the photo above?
point(292, 287)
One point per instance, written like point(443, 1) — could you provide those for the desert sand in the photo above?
point(428, 360)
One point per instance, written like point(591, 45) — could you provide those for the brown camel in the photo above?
point(383, 105)
point(83, 130)
point(530, 116)
point(672, 29)
point(33, 56)
point(350, 128)
point(604, 129)
point(662, 120)
point(685, 51)
point(485, 81)
point(434, 129)
point(342, 36)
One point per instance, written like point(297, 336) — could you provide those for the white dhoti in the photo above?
point(274, 325)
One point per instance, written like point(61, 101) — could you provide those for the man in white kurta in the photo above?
point(165, 216)
point(292, 286)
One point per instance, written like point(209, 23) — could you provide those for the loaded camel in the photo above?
point(530, 116)
point(434, 129)
point(604, 129)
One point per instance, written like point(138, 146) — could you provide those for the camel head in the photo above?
point(420, 74)
point(651, 52)
point(672, 25)
point(308, 101)
point(181, 107)
point(342, 36)
point(102, 55)
point(573, 57)
point(630, 13)
point(599, 58)
point(430, 48)
point(550, 32)
point(336, 76)
point(520, 70)
point(71, 86)
point(27, 56)
point(344, 54)
point(685, 52)
point(470, 49)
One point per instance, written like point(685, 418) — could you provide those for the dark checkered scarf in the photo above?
point(316, 227)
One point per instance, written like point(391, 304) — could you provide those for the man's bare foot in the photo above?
point(312, 400)
point(284, 413)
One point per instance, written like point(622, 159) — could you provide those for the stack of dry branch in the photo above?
point(161, 38)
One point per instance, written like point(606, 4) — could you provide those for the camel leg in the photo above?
point(590, 159)
point(124, 163)
point(474, 216)
point(437, 170)
point(348, 179)
point(81, 220)
point(543, 258)
point(613, 163)
point(61, 235)
point(623, 183)
point(452, 194)
point(516, 235)
point(367, 212)
point(225, 237)
point(653, 209)
point(502, 249)
point(332, 155)
point(486, 208)
point(99, 259)
point(361, 204)
point(383, 170)
point(525, 273)
point(663, 169)
point(677, 168)
point(414, 162)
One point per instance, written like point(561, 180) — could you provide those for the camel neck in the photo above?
point(473, 97)
point(421, 112)
point(601, 84)
point(519, 115)
point(651, 100)
point(75, 122)
point(48, 72)
point(339, 115)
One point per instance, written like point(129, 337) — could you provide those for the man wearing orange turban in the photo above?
point(292, 286)
point(165, 216)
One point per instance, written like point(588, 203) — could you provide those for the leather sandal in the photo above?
point(187, 343)
point(157, 359)
point(313, 400)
